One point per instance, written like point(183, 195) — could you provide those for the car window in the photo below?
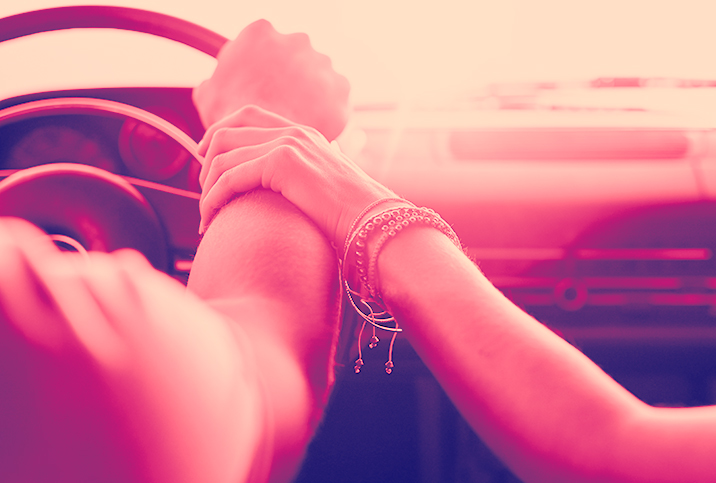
point(403, 49)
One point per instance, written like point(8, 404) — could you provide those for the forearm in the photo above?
point(541, 405)
point(262, 263)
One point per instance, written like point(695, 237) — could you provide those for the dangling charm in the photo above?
point(374, 342)
point(359, 365)
point(389, 367)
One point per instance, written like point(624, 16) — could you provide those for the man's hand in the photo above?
point(280, 73)
point(112, 371)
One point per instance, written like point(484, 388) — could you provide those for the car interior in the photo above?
point(598, 221)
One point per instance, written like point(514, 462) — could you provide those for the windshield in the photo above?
point(391, 51)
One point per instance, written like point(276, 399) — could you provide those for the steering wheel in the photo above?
point(121, 18)
point(86, 207)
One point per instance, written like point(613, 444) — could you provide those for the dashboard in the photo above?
point(570, 213)
point(599, 222)
point(140, 183)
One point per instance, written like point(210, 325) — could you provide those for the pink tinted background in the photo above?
point(390, 50)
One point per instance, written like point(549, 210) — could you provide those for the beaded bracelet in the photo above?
point(351, 230)
point(353, 233)
point(376, 316)
point(391, 223)
point(387, 223)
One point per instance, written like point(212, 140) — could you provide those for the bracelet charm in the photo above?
point(383, 226)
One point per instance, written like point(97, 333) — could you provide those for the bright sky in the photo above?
point(390, 48)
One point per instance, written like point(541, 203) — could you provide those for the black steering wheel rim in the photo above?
point(151, 240)
point(48, 180)
point(121, 18)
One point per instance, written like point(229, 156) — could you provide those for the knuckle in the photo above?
point(222, 131)
point(299, 39)
point(199, 93)
point(297, 131)
point(285, 150)
point(344, 84)
point(221, 180)
point(313, 133)
point(218, 165)
point(289, 140)
point(257, 29)
point(221, 186)
point(283, 155)
point(262, 24)
point(323, 59)
point(249, 109)
point(246, 113)
point(304, 133)
point(220, 135)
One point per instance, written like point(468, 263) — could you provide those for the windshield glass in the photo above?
point(391, 51)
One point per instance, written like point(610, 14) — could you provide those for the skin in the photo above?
point(259, 245)
point(282, 74)
point(247, 267)
point(140, 401)
point(540, 404)
point(168, 387)
point(103, 351)
point(118, 373)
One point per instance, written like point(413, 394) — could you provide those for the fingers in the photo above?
point(227, 139)
point(25, 299)
point(111, 285)
point(226, 159)
point(72, 287)
point(60, 300)
point(133, 261)
point(120, 283)
point(301, 40)
point(247, 173)
point(239, 179)
point(249, 143)
point(44, 294)
point(221, 165)
point(260, 25)
point(247, 116)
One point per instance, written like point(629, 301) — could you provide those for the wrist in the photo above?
point(359, 266)
point(348, 238)
point(380, 224)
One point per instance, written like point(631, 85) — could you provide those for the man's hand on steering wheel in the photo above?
point(280, 73)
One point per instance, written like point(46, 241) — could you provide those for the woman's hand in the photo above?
point(254, 148)
point(281, 73)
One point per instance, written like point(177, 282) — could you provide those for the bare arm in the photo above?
point(262, 262)
point(542, 406)
point(112, 371)
point(267, 267)
point(109, 357)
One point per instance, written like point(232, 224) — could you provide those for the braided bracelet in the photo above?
point(392, 222)
point(373, 316)
point(351, 230)
point(387, 223)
